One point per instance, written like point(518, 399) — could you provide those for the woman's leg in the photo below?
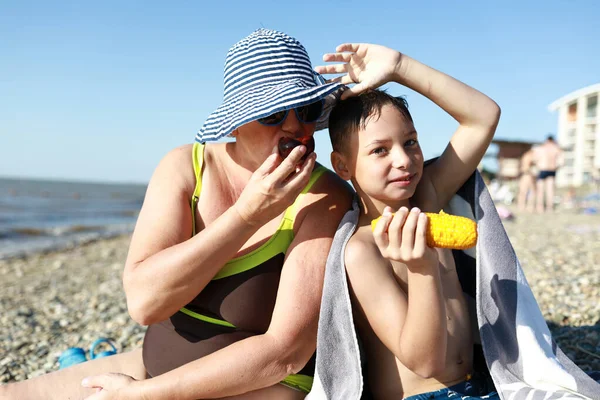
point(277, 392)
point(66, 383)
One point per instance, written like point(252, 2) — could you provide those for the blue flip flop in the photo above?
point(71, 356)
point(102, 342)
point(77, 355)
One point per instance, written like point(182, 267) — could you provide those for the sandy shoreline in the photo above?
point(52, 301)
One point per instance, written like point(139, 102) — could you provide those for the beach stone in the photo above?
point(5, 361)
point(36, 373)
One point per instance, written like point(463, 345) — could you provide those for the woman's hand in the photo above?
point(367, 65)
point(402, 238)
point(274, 186)
point(110, 386)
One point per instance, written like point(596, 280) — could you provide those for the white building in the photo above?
point(578, 134)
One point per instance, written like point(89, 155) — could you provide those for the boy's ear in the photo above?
point(338, 162)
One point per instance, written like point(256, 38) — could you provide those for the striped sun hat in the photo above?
point(265, 73)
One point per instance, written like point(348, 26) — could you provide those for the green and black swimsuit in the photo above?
point(236, 304)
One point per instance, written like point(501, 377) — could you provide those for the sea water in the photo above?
point(41, 215)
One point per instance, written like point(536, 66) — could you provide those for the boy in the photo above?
point(408, 301)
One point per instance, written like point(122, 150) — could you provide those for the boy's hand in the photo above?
point(402, 238)
point(367, 65)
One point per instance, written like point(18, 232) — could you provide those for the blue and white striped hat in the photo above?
point(265, 73)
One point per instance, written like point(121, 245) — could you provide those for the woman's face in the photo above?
point(262, 139)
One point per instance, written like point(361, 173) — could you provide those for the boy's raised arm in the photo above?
point(476, 113)
point(369, 66)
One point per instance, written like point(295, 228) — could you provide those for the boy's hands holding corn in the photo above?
point(402, 237)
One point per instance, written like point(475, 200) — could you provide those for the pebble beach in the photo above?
point(56, 300)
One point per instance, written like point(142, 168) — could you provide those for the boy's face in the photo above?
point(386, 160)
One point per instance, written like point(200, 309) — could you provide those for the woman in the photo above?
point(227, 258)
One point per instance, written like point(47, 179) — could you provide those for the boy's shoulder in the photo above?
point(361, 250)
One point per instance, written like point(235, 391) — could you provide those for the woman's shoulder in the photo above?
point(179, 159)
point(329, 192)
point(330, 183)
point(178, 155)
point(176, 168)
point(331, 188)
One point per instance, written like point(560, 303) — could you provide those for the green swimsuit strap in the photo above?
point(198, 161)
point(290, 213)
point(278, 243)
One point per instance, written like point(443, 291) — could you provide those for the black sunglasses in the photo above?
point(306, 114)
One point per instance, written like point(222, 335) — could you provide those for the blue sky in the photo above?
point(102, 90)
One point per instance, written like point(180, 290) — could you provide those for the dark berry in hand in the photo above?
point(286, 145)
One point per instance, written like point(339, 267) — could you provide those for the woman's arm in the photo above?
point(264, 360)
point(165, 268)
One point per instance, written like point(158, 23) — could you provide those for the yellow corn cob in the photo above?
point(448, 231)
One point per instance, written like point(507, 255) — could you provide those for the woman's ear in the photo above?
point(338, 162)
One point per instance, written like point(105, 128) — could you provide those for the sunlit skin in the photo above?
point(286, 145)
point(259, 140)
point(384, 161)
point(387, 160)
point(250, 188)
point(407, 353)
point(408, 303)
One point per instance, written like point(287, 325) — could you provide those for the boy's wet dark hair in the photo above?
point(350, 115)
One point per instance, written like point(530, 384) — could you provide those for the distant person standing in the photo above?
point(548, 158)
point(526, 199)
